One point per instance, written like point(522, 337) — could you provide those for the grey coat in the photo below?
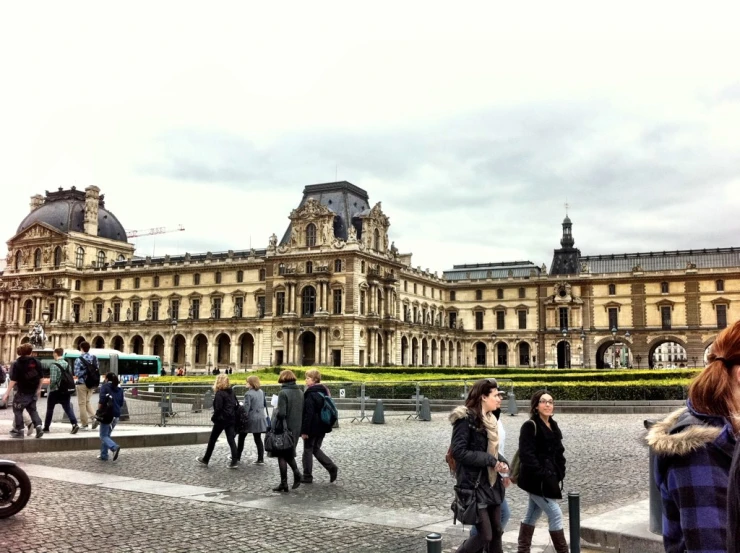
point(254, 405)
point(290, 407)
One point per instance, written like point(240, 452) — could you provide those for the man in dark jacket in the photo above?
point(25, 377)
point(313, 429)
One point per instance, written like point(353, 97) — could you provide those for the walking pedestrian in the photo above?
point(542, 472)
point(110, 404)
point(87, 371)
point(475, 448)
point(25, 378)
point(254, 405)
point(289, 415)
point(223, 419)
point(313, 430)
point(60, 376)
point(694, 448)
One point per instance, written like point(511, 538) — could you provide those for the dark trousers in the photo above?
point(56, 398)
point(311, 449)
point(257, 441)
point(28, 402)
point(489, 533)
point(215, 433)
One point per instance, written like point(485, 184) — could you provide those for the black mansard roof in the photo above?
point(714, 258)
point(480, 271)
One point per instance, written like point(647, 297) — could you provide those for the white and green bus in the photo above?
point(128, 366)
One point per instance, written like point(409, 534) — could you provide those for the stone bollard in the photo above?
point(124, 412)
point(513, 409)
point(425, 413)
point(379, 413)
point(208, 399)
point(434, 543)
point(656, 501)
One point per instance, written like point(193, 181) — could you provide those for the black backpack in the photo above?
point(104, 414)
point(92, 375)
point(66, 380)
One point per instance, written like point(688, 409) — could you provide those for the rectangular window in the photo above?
point(76, 312)
point(522, 293)
point(116, 312)
point(98, 312)
point(216, 306)
point(195, 306)
point(261, 306)
point(721, 316)
point(337, 302)
point(479, 320)
point(563, 312)
point(137, 282)
point(100, 285)
point(500, 316)
point(665, 317)
point(405, 285)
point(78, 286)
point(239, 307)
point(453, 319)
point(51, 312)
point(176, 280)
point(613, 318)
point(218, 277)
point(452, 295)
point(479, 295)
point(280, 304)
point(175, 309)
point(432, 293)
point(196, 279)
point(414, 288)
point(155, 310)
point(156, 282)
point(135, 307)
point(720, 285)
point(362, 302)
point(522, 319)
point(118, 284)
point(424, 290)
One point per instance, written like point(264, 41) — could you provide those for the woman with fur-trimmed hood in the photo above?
point(475, 442)
point(694, 447)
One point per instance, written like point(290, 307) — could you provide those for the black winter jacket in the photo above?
point(224, 407)
point(470, 451)
point(542, 459)
point(312, 405)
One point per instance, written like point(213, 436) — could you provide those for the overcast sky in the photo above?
point(472, 123)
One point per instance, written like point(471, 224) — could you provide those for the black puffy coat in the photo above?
point(542, 458)
point(312, 405)
point(470, 451)
point(224, 407)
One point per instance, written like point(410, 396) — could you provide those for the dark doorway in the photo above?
point(564, 355)
point(336, 357)
point(308, 342)
point(502, 354)
point(278, 357)
point(404, 351)
point(480, 354)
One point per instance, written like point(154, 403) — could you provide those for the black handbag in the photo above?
point(278, 440)
point(465, 505)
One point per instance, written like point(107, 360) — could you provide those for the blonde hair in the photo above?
point(254, 382)
point(222, 382)
point(286, 376)
point(314, 375)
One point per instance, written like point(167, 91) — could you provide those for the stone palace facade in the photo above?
point(335, 291)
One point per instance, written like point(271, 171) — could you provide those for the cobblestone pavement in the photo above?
point(396, 466)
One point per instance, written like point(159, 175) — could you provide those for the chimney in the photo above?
point(92, 201)
point(36, 202)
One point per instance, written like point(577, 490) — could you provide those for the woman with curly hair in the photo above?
point(694, 448)
point(223, 419)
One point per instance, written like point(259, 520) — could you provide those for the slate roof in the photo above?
point(343, 198)
point(480, 271)
point(194, 257)
point(663, 261)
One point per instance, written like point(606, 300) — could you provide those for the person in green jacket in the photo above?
point(58, 396)
point(289, 413)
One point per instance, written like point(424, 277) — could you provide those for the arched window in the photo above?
point(337, 265)
point(310, 235)
point(120, 257)
point(37, 258)
point(80, 258)
point(262, 275)
point(612, 289)
point(376, 240)
point(309, 267)
point(18, 260)
point(101, 258)
point(57, 257)
point(27, 311)
point(308, 300)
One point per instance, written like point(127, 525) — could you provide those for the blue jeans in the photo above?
point(105, 441)
point(538, 505)
point(505, 516)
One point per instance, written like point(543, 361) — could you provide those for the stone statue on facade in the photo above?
point(89, 316)
point(273, 241)
point(213, 312)
point(351, 233)
point(128, 314)
point(149, 313)
point(190, 312)
point(237, 311)
point(110, 314)
point(36, 336)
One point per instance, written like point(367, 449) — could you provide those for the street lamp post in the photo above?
point(583, 348)
point(173, 325)
point(639, 358)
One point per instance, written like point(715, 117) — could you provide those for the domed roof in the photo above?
point(65, 211)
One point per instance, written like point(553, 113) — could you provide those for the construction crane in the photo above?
point(151, 231)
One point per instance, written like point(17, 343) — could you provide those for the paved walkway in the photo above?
point(393, 488)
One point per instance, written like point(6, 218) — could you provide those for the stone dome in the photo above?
point(65, 211)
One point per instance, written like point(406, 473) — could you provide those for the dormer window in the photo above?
point(310, 235)
point(101, 258)
point(37, 258)
point(79, 257)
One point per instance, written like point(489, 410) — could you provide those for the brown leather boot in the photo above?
point(558, 541)
point(525, 538)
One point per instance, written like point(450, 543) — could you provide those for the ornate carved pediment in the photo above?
point(37, 232)
point(720, 301)
point(563, 295)
point(312, 209)
point(612, 304)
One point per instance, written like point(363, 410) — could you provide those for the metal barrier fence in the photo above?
point(189, 404)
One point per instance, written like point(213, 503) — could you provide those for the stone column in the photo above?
point(16, 306)
point(233, 354)
point(2, 309)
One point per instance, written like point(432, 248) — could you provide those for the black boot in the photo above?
point(296, 478)
point(282, 487)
